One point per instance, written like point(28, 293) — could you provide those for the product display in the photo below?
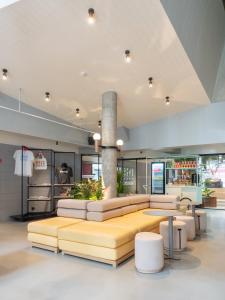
point(40, 162)
point(64, 174)
point(24, 160)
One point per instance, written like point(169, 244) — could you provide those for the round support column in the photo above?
point(109, 154)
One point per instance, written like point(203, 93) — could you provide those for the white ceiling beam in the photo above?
point(4, 3)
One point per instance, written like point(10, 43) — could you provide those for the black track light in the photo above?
point(150, 82)
point(77, 112)
point(4, 74)
point(127, 56)
point(167, 100)
point(91, 16)
point(99, 124)
point(47, 97)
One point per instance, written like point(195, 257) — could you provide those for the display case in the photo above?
point(183, 177)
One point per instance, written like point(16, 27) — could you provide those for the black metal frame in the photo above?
point(25, 216)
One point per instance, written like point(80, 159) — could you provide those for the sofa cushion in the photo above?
point(100, 216)
point(143, 205)
point(108, 204)
point(163, 205)
point(98, 234)
point(137, 221)
point(128, 209)
point(73, 203)
point(50, 226)
point(43, 239)
point(164, 198)
point(139, 198)
point(96, 251)
point(72, 213)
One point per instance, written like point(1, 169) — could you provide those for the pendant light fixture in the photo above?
point(127, 56)
point(150, 82)
point(4, 74)
point(47, 97)
point(77, 112)
point(99, 124)
point(167, 100)
point(91, 16)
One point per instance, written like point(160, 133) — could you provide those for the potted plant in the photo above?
point(87, 190)
point(207, 199)
point(120, 185)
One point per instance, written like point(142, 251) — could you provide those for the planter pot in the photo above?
point(209, 202)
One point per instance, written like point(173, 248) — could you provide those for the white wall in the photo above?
point(204, 125)
point(12, 121)
point(219, 90)
point(200, 25)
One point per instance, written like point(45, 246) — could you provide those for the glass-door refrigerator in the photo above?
point(158, 178)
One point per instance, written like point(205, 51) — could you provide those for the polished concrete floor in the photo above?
point(32, 274)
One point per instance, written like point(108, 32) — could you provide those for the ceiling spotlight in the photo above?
point(150, 82)
point(47, 97)
point(119, 143)
point(99, 124)
point(167, 100)
point(127, 56)
point(77, 112)
point(4, 74)
point(91, 16)
point(97, 136)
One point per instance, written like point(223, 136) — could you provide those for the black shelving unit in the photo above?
point(59, 158)
point(28, 200)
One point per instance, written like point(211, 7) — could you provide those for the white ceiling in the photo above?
point(46, 45)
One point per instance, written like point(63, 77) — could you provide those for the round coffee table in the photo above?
point(170, 214)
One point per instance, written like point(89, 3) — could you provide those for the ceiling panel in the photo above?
point(48, 44)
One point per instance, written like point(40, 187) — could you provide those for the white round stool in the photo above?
point(179, 235)
point(200, 219)
point(149, 257)
point(190, 226)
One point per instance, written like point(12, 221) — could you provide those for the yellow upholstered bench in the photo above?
point(44, 233)
point(98, 241)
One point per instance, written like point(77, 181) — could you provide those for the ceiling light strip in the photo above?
point(46, 119)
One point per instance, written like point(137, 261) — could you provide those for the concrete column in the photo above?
point(109, 155)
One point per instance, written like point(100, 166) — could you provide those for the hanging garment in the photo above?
point(64, 174)
point(25, 169)
point(40, 162)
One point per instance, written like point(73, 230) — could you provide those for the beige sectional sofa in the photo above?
point(107, 235)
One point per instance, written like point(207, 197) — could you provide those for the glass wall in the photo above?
point(213, 177)
point(91, 166)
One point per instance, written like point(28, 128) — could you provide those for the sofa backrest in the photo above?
point(115, 207)
point(164, 201)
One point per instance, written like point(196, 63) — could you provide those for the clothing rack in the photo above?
point(28, 203)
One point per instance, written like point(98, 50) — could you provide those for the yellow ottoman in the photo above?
point(44, 233)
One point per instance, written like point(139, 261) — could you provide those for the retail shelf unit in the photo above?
point(39, 193)
point(60, 190)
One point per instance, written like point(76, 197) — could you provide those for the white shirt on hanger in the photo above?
point(28, 159)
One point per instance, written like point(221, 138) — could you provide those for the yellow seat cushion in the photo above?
point(138, 221)
point(51, 226)
point(96, 251)
point(43, 239)
point(97, 233)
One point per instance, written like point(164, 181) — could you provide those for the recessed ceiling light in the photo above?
point(4, 74)
point(77, 112)
point(167, 100)
point(47, 97)
point(127, 56)
point(150, 82)
point(91, 16)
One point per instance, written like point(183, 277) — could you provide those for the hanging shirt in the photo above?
point(28, 159)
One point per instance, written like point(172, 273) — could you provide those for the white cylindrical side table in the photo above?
point(149, 256)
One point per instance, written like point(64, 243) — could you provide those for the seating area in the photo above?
point(106, 234)
point(112, 149)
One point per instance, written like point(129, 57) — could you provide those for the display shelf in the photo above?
point(62, 197)
point(39, 185)
point(38, 199)
point(64, 184)
point(181, 168)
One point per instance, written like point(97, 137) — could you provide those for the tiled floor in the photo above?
point(32, 274)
